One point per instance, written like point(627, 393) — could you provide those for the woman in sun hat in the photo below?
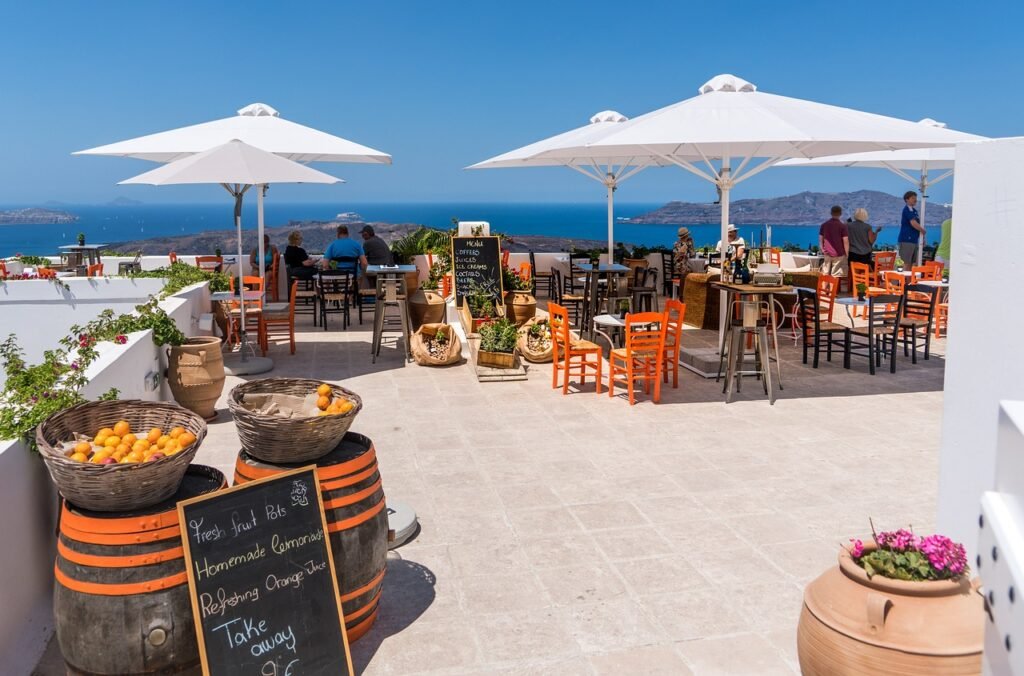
point(682, 251)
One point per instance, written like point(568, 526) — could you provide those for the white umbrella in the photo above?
point(560, 150)
point(729, 119)
point(900, 162)
point(236, 166)
point(258, 125)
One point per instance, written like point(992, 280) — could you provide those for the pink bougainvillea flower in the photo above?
point(856, 548)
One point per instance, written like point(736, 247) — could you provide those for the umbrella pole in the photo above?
point(725, 184)
point(610, 183)
point(241, 287)
point(259, 233)
point(924, 203)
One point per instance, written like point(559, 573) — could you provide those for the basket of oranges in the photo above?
point(312, 419)
point(119, 455)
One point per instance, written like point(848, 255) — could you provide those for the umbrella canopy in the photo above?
point(562, 150)
point(237, 166)
point(900, 162)
point(258, 125)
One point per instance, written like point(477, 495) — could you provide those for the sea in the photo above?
point(110, 224)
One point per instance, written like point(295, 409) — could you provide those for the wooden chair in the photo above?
point(173, 257)
point(775, 256)
point(568, 298)
point(305, 296)
point(815, 327)
point(828, 287)
point(46, 273)
point(273, 281)
point(570, 355)
point(253, 308)
point(279, 319)
point(918, 315)
point(860, 273)
point(879, 335)
point(643, 356)
point(94, 270)
point(571, 282)
point(937, 266)
point(505, 255)
point(545, 278)
point(927, 272)
point(894, 282)
point(668, 272)
point(675, 310)
point(210, 263)
point(885, 260)
point(643, 290)
point(525, 272)
point(941, 318)
point(334, 289)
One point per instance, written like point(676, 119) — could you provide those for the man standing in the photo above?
point(377, 251)
point(911, 230)
point(834, 239)
point(345, 252)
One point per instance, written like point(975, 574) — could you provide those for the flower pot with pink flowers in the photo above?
point(899, 604)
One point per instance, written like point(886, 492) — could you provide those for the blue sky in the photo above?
point(441, 85)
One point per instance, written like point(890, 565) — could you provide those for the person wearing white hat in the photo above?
point(737, 247)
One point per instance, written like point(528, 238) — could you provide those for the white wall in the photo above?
point(28, 504)
point(983, 357)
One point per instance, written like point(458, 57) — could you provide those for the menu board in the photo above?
point(260, 572)
point(476, 260)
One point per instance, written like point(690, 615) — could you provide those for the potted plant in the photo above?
point(479, 306)
point(862, 290)
point(520, 305)
point(81, 239)
point(623, 308)
point(425, 305)
point(898, 604)
point(535, 341)
point(497, 344)
point(899, 264)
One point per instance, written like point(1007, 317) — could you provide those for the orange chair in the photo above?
point(525, 272)
point(46, 273)
point(860, 273)
point(253, 308)
point(894, 282)
point(505, 253)
point(273, 281)
point(775, 256)
point(676, 311)
point(94, 270)
point(927, 272)
point(209, 263)
point(828, 287)
point(941, 318)
point(279, 319)
point(3, 269)
point(643, 356)
point(569, 354)
point(885, 260)
point(174, 257)
point(937, 266)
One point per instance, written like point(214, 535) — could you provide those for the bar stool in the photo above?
point(391, 293)
point(751, 321)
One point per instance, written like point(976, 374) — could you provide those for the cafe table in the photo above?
point(90, 252)
point(222, 307)
point(852, 302)
point(756, 291)
point(594, 273)
point(382, 273)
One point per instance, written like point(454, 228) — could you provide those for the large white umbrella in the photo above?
point(236, 166)
point(258, 125)
point(561, 150)
point(903, 163)
point(729, 119)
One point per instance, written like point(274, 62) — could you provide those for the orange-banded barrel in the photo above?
point(357, 521)
point(120, 599)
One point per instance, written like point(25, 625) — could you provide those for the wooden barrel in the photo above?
point(357, 522)
point(195, 374)
point(120, 600)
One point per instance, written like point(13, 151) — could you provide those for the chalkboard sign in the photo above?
point(476, 259)
point(260, 572)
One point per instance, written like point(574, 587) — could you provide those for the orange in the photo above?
point(129, 439)
point(162, 441)
point(140, 445)
point(83, 447)
point(112, 441)
point(134, 456)
point(125, 460)
point(324, 390)
point(106, 431)
point(99, 439)
point(118, 456)
point(322, 403)
point(186, 439)
point(97, 457)
point(173, 450)
point(122, 448)
point(154, 434)
point(121, 428)
point(345, 406)
point(175, 432)
point(80, 457)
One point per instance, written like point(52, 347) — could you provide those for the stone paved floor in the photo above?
point(578, 535)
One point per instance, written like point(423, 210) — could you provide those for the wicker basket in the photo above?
point(275, 439)
point(117, 487)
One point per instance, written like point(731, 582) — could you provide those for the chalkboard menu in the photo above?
point(261, 576)
point(476, 260)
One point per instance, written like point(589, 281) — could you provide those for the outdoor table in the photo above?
point(852, 301)
point(595, 272)
point(389, 270)
point(613, 323)
point(222, 310)
point(812, 260)
point(756, 291)
point(90, 251)
point(389, 297)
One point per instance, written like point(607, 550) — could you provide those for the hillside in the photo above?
point(806, 208)
point(35, 216)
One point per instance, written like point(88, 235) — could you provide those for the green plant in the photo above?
point(32, 260)
point(902, 555)
point(420, 242)
point(498, 336)
point(511, 281)
point(149, 315)
point(482, 299)
point(862, 289)
point(899, 262)
point(81, 238)
point(180, 275)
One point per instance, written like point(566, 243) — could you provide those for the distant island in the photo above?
point(806, 208)
point(35, 216)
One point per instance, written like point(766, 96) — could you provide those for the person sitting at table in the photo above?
point(345, 252)
point(296, 261)
point(737, 247)
point(375, 248)
point(269, 254)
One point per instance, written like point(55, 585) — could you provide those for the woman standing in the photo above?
point(862, 237)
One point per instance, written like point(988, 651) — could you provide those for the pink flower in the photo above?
point(944, 555)
point(856, 548)
point(897, 540)
point(121, 339)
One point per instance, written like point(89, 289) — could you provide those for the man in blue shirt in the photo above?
point(346, 252)
point(911, 230)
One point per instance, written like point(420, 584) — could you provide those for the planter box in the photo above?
point(470, 323)
point(497, 360)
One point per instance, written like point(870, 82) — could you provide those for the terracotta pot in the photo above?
point(852, 625)
point(520, 306)
point(195, 374)
point(426, 307)
point(412, 281)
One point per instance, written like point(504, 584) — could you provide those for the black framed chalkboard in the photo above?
point(476, 259)
point(264, 595)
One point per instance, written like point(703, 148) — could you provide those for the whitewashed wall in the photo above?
point(983, 356)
